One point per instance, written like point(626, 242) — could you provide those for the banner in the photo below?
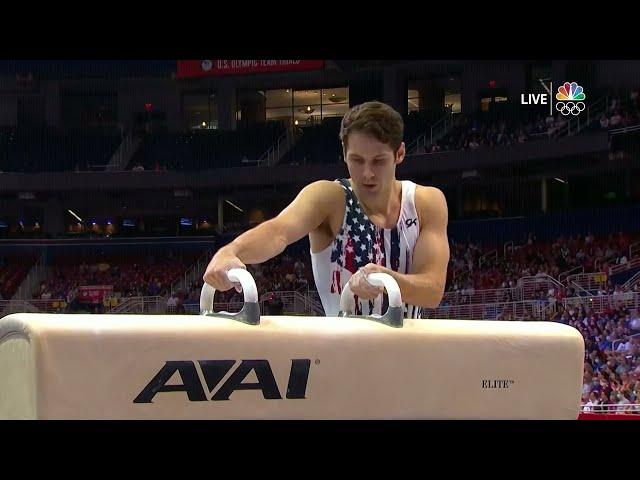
point(93, 293)
point(213, 68)
point(608, 416)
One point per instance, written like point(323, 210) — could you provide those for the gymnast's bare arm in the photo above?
point(314, 206)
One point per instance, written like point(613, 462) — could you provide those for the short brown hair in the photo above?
point(376, 119)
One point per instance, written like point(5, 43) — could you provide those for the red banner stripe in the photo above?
point(214, 68)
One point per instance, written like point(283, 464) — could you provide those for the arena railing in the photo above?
point(593, 111)
point(627, 409)
point(488, 311)
point(275, 152)
point(436, 131)
point(194, 273)
point(634, 263)
point(598, 303)
point(37, 273)
point(618, 131)
point(531, 284)
point(8, 307)
point(617, 342)
point(588, 281)
point(492, 295)
point(151, 305)
point(562, 277)
point(629, 284)
point(293, 303)
point(579, 288)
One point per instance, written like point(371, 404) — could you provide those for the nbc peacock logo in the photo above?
point(570, 96)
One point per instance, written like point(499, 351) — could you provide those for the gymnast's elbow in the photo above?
point(429, 294)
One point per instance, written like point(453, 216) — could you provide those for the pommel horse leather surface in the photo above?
point(201, 367)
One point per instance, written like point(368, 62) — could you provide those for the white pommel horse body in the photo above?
point(244, 366)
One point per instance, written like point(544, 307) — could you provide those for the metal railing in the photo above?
point(293, 303)
point(493, 295)
point(564, 275)
point(441, 127)
point(634, 263)
point(31, 306)
point(618, 131)
point(540, 309)
point(625, 409)
point(315, 303)
point(36, 274)
point(489, 311)
point(194, 273)
point(599, 303)
point(124, 152)
point(579, 289)
point(617, 342)
point(8, 307)
point(149, 305)
point(588, 281)
point(275, 152)
point(530, 285)
point(629, 284)
point(435, 132)
point(550, 309)
point(592, 113)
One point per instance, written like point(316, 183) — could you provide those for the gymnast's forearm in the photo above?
point(259, 244)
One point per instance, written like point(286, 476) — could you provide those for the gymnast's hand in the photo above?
point(216, 273)
point(359, 285)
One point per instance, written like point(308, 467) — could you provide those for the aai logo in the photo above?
point(569, 98)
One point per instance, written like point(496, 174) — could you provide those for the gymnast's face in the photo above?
point(371, 163)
